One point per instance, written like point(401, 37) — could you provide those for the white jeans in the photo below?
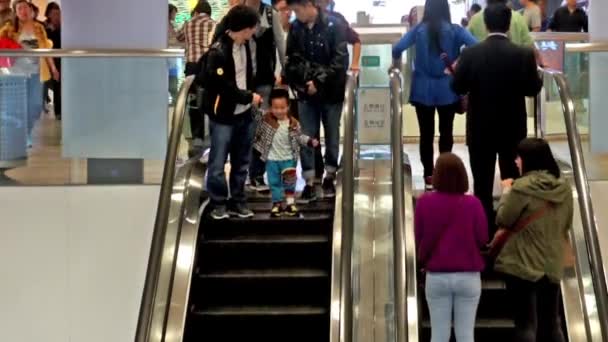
point(453, 295)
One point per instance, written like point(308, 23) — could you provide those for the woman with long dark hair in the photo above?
point(536, 213)
point(438, 44)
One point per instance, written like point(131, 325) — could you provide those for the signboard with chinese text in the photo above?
point(373, 115)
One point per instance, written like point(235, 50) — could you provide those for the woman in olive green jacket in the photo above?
point(532, 259)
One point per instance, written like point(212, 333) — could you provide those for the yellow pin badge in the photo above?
point(220, 71)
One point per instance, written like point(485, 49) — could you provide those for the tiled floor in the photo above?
point(46, 165)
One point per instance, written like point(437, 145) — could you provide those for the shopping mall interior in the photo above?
point(107, 230)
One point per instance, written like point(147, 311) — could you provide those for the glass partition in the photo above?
point(104, 121)
point(584, 286)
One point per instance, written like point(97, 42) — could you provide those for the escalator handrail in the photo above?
point(404, 261)
point(153, 273)
point(398, 205)
point(341, 310)
point(94, 53)
point(590, 227)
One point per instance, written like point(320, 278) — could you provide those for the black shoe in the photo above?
point(259, 185)
point(428, 184)
point(240, 210)
point(329, 189)
point(291, 211)
point(219, 213)
point(308, 195)
point(276, 210)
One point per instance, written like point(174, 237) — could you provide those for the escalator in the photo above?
point(263, 279)
point(257, 279)
point(584, 296)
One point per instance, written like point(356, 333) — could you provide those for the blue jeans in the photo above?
point(35, 101)
point(281, 185)
point(256, 169)
point(312, 114)
point(234, 140)
point(453, 295)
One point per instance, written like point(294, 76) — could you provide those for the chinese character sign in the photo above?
point(373, 115)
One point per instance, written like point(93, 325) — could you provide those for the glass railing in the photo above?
point(106, 122)
point(588, 278)
point(165, 295)
point(559, 52)
point(404, 249)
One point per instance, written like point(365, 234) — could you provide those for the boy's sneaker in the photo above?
point(219, 213)
point(291, 211)
point(276, 210)
point(308, 195)
point(240, 210)
point(329, 189)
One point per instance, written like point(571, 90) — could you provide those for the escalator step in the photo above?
point(304, 324)
point(263, 279)
point(262, 224)
point(215, 257)
point(271, 239)
point(288, 287)
point(242, 311)
point(271, 273)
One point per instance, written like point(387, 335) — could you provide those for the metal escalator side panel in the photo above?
point(336, 284)
point(186, 252)
point(411, 280)
point(341, 311)
point(590, 272)
point(405, 282)
point(157, 285)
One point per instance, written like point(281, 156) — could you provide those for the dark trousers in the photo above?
point(55, 86)
point(312, 115)
point(426, 123)
point(536, 310)
point(483, 167)
point(319, 163)
point(234, 140)
point(195, 113)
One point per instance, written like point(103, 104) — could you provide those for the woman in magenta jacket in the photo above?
point(451, 228)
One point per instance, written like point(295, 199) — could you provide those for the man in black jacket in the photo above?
point(227, 79)
point(497, 75)
point(317, 61)
point(264, 49)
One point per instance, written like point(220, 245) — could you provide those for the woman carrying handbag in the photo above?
point(536, 215)
point(438, 42)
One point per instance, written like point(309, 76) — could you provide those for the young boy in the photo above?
point(278, 139)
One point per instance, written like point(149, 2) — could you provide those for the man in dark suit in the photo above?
point(497, 75)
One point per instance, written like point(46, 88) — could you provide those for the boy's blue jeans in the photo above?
point(282, 179)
